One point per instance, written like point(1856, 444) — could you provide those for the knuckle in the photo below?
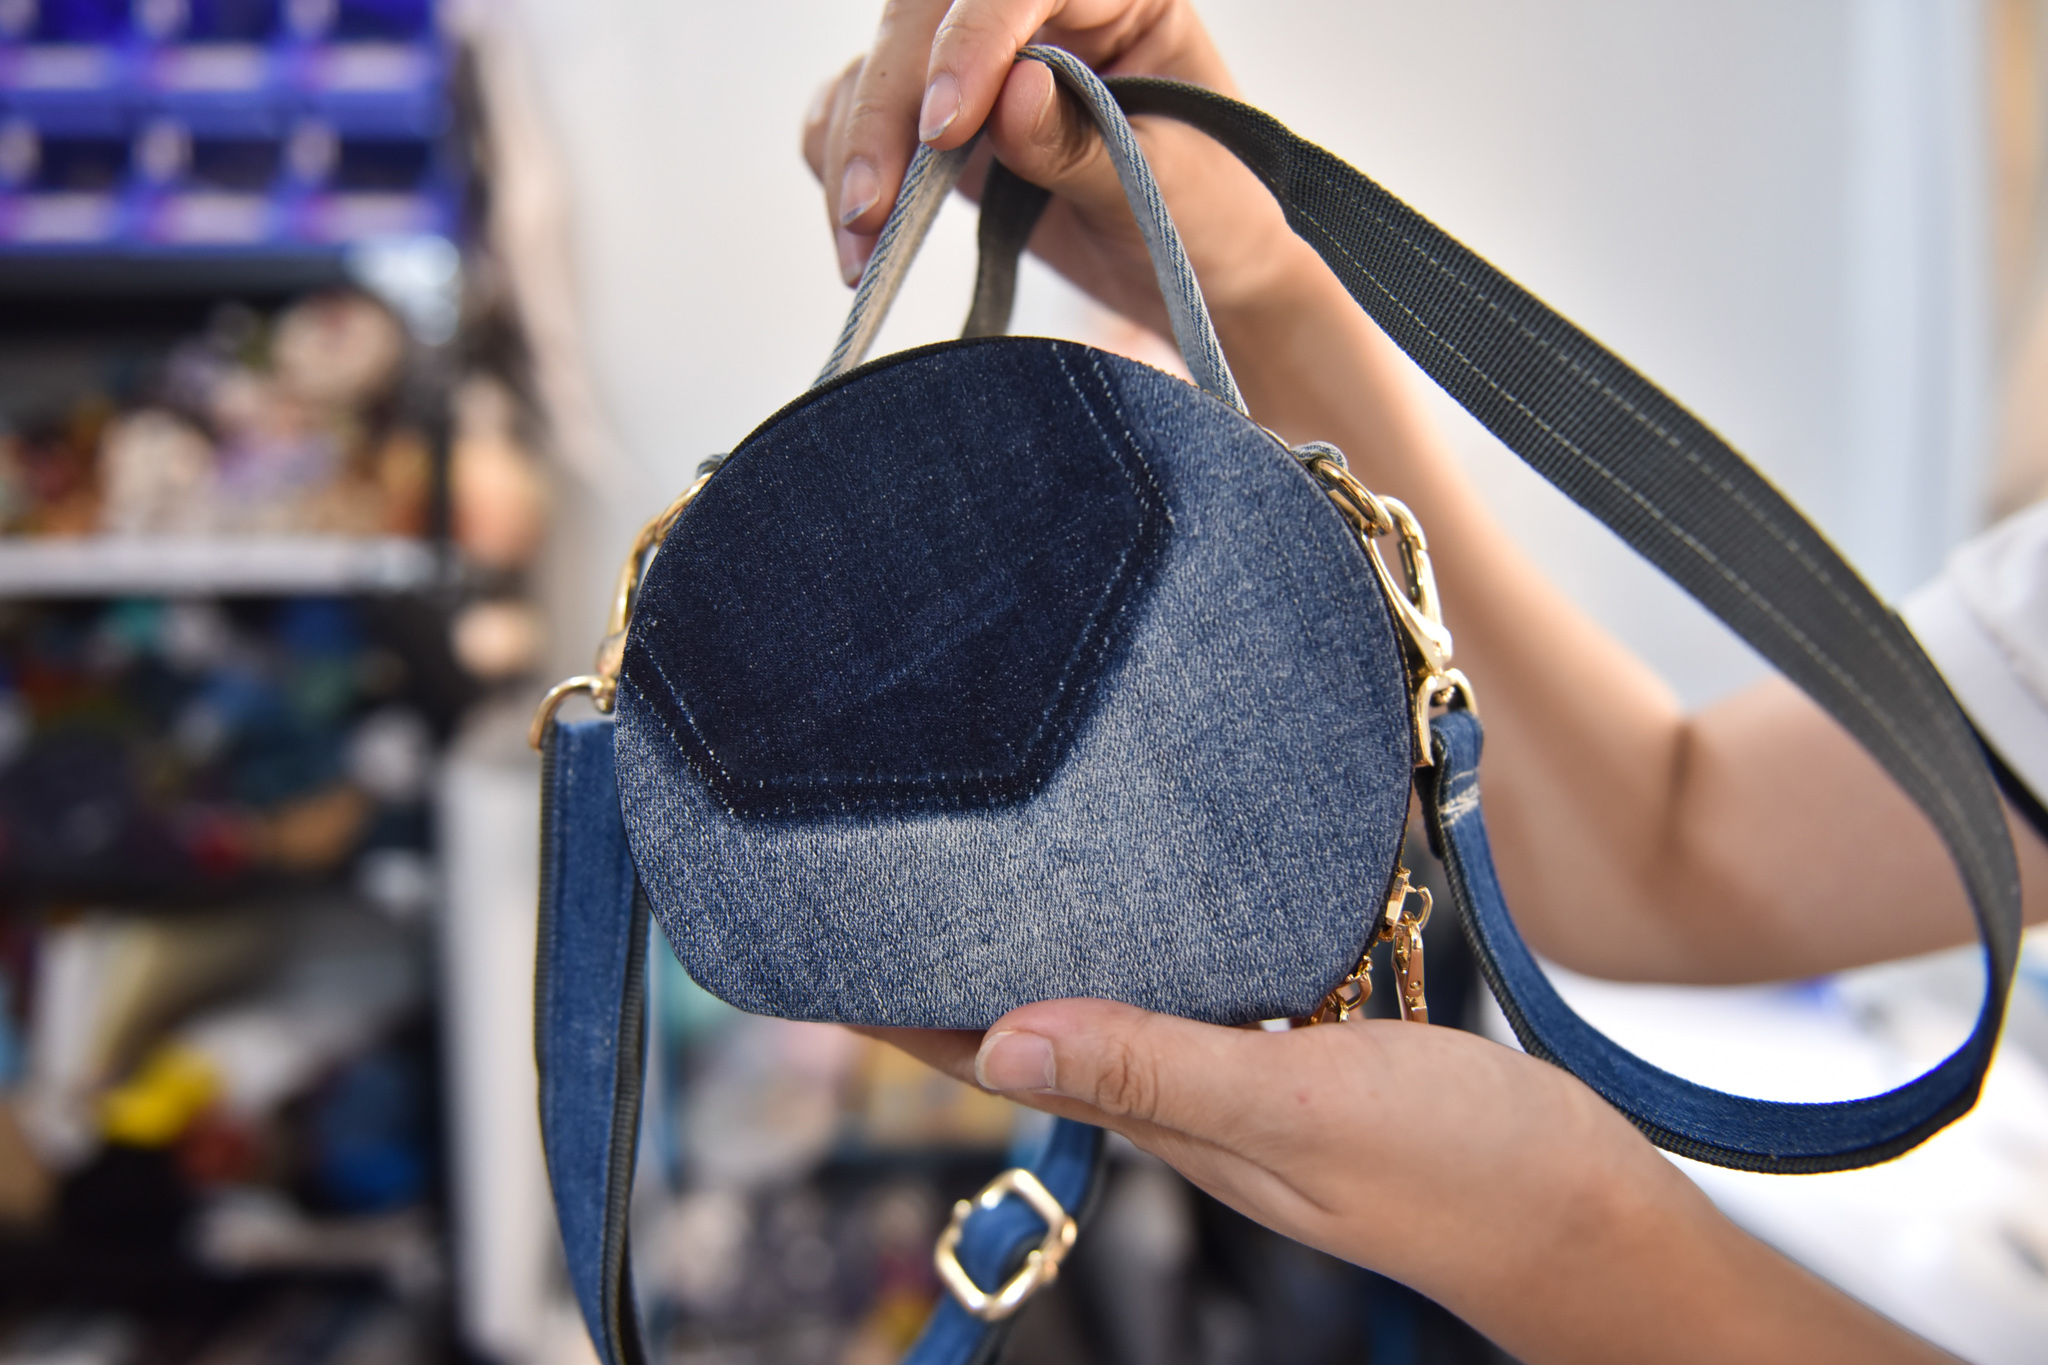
point(867, 108)
point(971, 21)
point(968, 27)
point(1127, 1085)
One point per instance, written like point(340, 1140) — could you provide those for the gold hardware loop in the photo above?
point(1412, 598)
point(1367, 515)
point(600, 690)
point(1440, 689)
point(1404, 931)
point(603, 682)
point(1041, 1267)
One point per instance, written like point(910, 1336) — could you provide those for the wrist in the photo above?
point(1285, 290)
point(1313, 366)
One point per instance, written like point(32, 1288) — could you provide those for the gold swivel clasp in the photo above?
point(1397, 925)
point(1412, 598)
point(602, 683)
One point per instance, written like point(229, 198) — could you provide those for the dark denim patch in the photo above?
point(899, 594)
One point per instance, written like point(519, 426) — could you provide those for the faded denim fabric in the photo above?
point(1215, 836)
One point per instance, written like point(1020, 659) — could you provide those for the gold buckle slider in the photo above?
point(1041, 1267)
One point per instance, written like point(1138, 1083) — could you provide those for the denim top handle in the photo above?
point(932, 176)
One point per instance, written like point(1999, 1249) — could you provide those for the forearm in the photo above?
point(1657, 1273)
point(1513, 1195)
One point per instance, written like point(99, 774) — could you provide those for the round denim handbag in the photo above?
point(1007, 669)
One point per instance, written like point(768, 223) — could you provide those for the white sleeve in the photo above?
point(1984, 622)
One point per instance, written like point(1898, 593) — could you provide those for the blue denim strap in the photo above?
point(933, 174)
point(931, 177)
point(590, 995)
point(1678, 1115)
point(590, 1024)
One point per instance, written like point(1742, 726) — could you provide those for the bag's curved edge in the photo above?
point(1343, 958)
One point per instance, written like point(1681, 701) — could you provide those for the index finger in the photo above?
point(970, 59)
point(866, 158)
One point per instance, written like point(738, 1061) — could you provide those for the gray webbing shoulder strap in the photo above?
point(1682, 497)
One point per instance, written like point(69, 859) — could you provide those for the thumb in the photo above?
point(1221, 1085)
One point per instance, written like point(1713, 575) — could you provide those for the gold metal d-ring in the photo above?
point(1440, 689)
point(601, 691)
point(603, 683)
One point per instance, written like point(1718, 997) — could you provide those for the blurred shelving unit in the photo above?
point(266, 506)
point(213, 566)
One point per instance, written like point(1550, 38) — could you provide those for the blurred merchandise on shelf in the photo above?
point(269, 501)
point(498, 638)
point(183, 126)
point(192, 1033)
point(260, 425)
point(166, 748)
point(497, 500)
point(225, 1099)
point(290, 1327)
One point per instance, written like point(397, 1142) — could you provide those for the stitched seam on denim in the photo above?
point(986, 777)
point(557, 847)
point(1114, 599)
point(984, 786)
point(1812, 650)
point(671, 701)
point(698, 743)
point(1130, 438)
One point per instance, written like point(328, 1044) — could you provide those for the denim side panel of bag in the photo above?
point(1212, 843)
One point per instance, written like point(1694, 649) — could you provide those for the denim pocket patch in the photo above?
point(899, 594)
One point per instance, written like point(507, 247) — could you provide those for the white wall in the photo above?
point(1771, 206)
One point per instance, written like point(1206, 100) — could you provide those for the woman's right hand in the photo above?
point(939, 73)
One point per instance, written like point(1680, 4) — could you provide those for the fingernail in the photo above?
point(858, 189)
point(941, 107)
point(853, 255)
point(1014, 1061)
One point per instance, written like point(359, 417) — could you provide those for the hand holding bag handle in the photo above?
point(1656, 476)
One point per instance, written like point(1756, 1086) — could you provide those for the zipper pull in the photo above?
point(1405, 933)
point(1408, 974)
